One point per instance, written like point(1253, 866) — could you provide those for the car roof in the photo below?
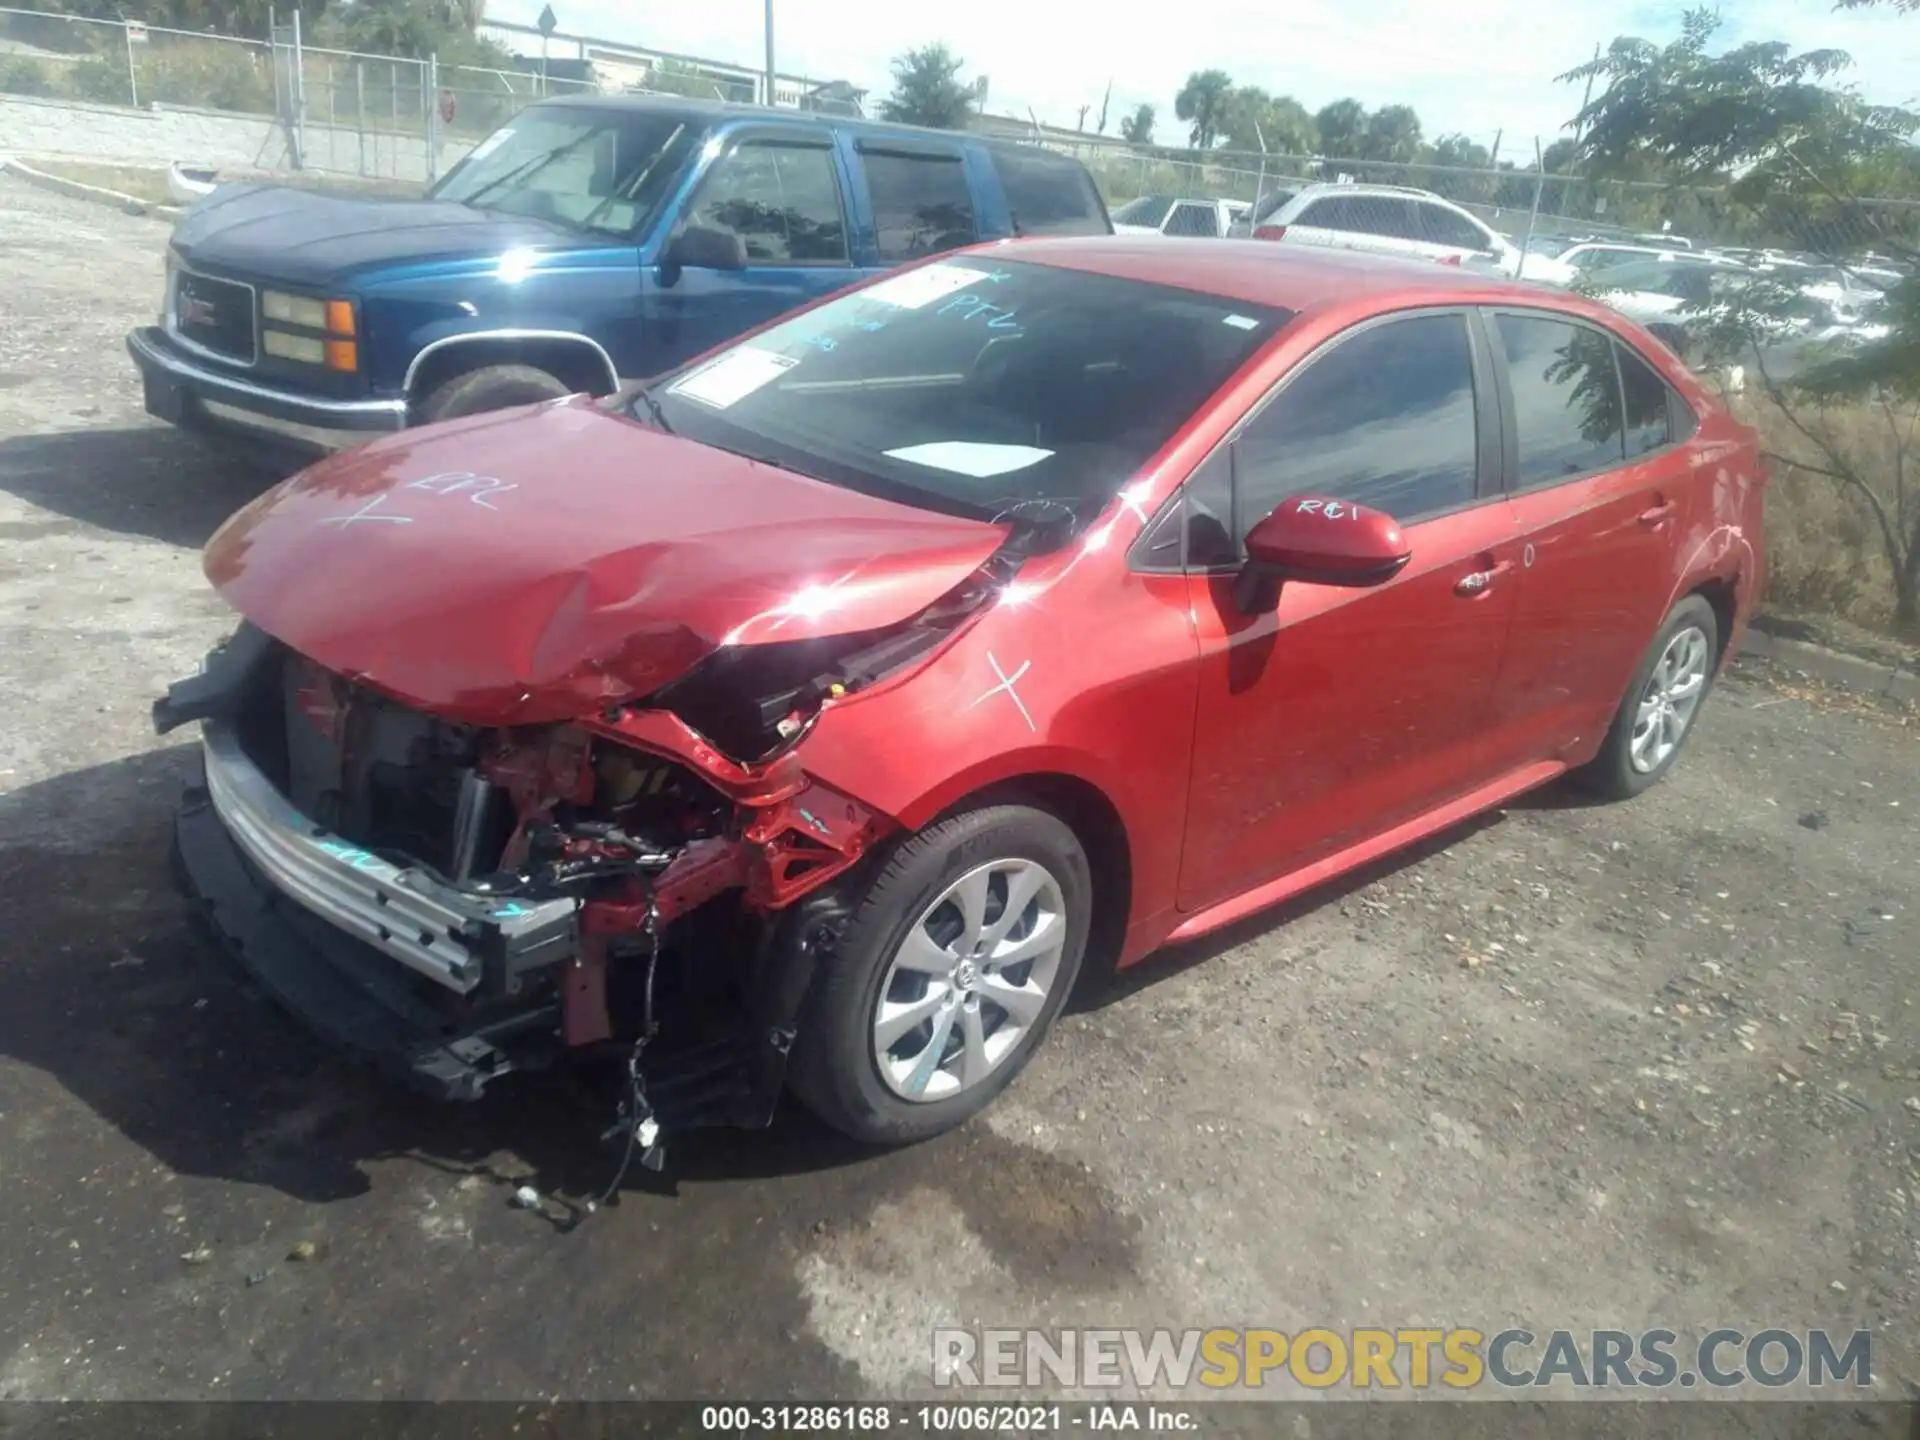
point(1301, 278)
point(716, 111)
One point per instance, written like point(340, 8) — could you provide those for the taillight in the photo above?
point(1449, 260)
point(1269, 232)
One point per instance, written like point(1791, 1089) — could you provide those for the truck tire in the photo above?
point(491, 387)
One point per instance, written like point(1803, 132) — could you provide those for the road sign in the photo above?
point(548, 21)
point(136, 33)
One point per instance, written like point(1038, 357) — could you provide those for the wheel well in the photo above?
point(574, 363)
point(1092, 818)
point(1724, 599)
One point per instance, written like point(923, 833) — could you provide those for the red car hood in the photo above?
point(535, 564)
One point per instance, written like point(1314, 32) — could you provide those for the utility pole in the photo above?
point(769, 52)
point(1580, 124)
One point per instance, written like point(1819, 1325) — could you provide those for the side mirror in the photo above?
point(701, 247)
point(1319, 541)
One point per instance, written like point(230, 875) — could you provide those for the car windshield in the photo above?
point(1143, 210)
point(971, 385)
point(604, 171)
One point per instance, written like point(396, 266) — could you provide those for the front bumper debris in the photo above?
point(346, 991)
point(453, 938)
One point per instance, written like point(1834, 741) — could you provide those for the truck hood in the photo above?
point(306, 239)
point(538, 564)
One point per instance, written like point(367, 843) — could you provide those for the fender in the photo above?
point(464, 337)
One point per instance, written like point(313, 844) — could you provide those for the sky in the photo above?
point(1469, 66)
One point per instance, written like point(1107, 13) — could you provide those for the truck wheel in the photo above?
point(948, 976)
point(491, 387)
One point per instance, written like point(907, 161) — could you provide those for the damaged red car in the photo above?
point(810, 717)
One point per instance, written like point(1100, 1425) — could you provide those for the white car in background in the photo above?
point(1566, 264)
point(1389, 220)
point(1171, 215)
point(1678, 303)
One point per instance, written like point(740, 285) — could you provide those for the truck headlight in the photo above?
point(334, 342)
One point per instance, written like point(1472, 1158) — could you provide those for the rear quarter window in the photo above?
point(1049, 194)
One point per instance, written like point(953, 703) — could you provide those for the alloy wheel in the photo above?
point(1670, 700)
point(972, 977)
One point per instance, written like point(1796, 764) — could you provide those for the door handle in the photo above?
point(1480, 581)
point(1657, 513)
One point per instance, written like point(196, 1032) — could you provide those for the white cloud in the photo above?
point(1476, 68)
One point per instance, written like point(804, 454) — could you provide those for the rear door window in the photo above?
point(783, 201)
point(1386, 419)
point(1646, 404)
point(1363, 215)
point(1566, 399)
point(921, 203)
point(1048, 194)
point(1191, 219)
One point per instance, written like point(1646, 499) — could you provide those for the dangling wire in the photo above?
point(634, 1109)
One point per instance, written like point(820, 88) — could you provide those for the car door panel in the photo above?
point(786, 200)
point(1598, 548)
point(1345, 712)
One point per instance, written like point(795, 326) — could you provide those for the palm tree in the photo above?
point(1342, 125)
point(1202, 102)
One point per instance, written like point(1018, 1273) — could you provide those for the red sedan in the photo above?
point(813, 715)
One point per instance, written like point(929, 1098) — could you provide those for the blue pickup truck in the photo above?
point(588, 242)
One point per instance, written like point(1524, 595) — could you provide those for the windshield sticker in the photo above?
point(733, 377)
point(1241, 322)
point(923, 286)
point(492, 143)
point(974, 458)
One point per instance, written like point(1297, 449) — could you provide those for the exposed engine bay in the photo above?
point(653, 878)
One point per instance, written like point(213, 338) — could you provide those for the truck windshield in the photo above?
point(604, 171)
point(971, 385)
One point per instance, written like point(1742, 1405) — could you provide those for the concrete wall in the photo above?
point(163, 134)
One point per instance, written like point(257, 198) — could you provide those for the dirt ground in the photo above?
point(1655, 1064)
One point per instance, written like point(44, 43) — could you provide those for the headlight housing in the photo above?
point(310, 330)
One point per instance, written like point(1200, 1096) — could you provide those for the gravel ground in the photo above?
point(1615, 1067)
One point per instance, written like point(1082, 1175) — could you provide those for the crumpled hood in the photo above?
point(536, 564)
point(304, 238)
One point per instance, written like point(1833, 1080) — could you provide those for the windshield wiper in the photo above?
point(633, 186)
point(645, 396)
point(529, 167)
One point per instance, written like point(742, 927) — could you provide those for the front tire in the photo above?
point(1658, 713)
point(491, 387)
point(948, 977)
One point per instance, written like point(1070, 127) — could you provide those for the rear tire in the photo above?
point(905, 1034)
point(1659, 713)
point(491, 387)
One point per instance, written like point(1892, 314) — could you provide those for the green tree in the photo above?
point(1460, 152)
point(1137, 128)
point(1393, 134)
point(1792, 147)
point(927, 90)
point(1282, 121)
point(1342, 127)
point(1202, 103)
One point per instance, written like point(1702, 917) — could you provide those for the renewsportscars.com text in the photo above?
point(1382, 1359)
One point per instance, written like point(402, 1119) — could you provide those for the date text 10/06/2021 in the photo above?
point(873, 1419)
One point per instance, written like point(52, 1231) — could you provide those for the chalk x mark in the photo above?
point(364, 513)
point(1007, 683)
